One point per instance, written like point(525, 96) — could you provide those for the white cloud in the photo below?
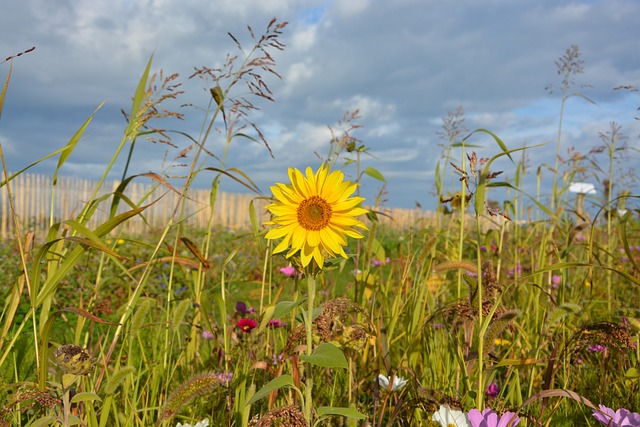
point(304, 39)
point(368, 106)
point(298, 74)
point(350, 8)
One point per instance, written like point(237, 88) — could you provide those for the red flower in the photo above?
point(246, 325)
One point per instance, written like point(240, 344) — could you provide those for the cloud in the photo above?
point(403, 64)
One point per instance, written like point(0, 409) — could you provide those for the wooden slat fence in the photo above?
point(36, 201)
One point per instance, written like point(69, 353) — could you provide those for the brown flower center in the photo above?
point(314, 213)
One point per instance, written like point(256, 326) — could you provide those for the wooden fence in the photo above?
point(37, 202)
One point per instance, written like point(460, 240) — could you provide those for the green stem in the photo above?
point(308, 401)
point(481, 328)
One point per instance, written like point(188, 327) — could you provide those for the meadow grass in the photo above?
point(481, 308)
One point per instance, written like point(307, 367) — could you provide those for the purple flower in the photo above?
point(597, 348)
point(225, 377)
point(556, 280)
point(493, 390)
point(277, 358)
point(620, 418)
point(242, 308)
point(488, 418)
point(276, 323)
point(207, 335)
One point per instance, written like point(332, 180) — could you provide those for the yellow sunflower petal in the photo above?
point(314, 215)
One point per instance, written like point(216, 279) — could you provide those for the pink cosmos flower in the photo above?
point(620, 418)
point(246, 325)
point(488, 418)
point(288, 271)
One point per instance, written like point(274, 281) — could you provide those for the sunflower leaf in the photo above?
point(328, 356)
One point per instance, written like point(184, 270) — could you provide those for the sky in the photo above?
point(404, 64)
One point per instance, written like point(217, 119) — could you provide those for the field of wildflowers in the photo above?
point(321, 317)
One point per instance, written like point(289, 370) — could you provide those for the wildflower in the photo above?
point(207, 335)
point(598, 348)
point(277, 359)
point(288, 271)
point(376, 262)
point(203, 423)
point(620, 418)
point(448, 417)
point(492, 390)
point(243, 309)
point(224, 377)
point(488, 418)
point(246, 325)
point(276, 323)
point(313, 215)
point(556, 280)
point(396, 383)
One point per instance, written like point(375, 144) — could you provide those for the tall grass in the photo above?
point(488, 308)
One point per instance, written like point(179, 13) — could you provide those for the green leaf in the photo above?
point(317, 311)
point(328, 356)
point(632, 374)
point(285, 307)
point(275, 384)
point(375, 173)
point(278, 311)
point(85, 396)
point(243, 179)
point(4, 89)
point(71, 145)
point(137, 100)
point(327, 411)
point(44, 421)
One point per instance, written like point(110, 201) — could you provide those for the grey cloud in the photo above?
point(405, 64)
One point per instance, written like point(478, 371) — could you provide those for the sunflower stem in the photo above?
point(308, 401)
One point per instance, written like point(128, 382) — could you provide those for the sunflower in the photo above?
point(314, 213)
